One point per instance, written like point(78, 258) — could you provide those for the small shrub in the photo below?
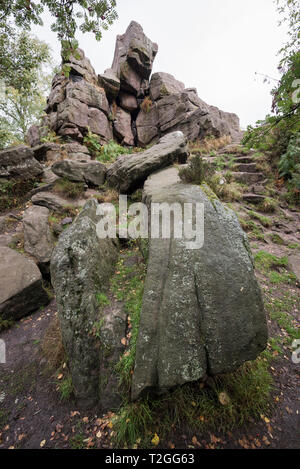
point(65, 388)
point(269, 205)
point(13, 192)
point(51, 137)
point(146, 105)
point(111, 151)
point(92, 142)
point(209, 144)
point(69, 189)
point(197, 171)
point(5, 324)
point(265, 221)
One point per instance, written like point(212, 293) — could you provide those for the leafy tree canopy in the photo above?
point(87, 15)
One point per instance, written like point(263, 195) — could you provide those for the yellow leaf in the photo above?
point(42, 443)
point(155, 439)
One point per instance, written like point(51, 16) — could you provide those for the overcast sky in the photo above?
point(213, 45)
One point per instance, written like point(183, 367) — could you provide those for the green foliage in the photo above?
point(51, 137)
point(247, 394)
point(197, 171)
point(265, 221)
point(111, 151)
point(102, 299)
point(65, 388)
point(25, 85)
point(5, 324)
point(72, 190)
point(12, 192)
point(265, 261)
point(289, 165)
point(274, 268)
point(128, 285)
point(277, 133)
point(104, 153)
point(85, 15)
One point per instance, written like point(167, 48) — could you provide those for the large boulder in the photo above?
point(147, 126)
point(122, 127)
point(130, 171)
point(202, 310)
point(21, 288)
point(19, 161)
point(90, 172)
point(81, 267)
point(164, 84)
point(110, 83)
point(90, 94)
point(37, 235)
point(136, 49)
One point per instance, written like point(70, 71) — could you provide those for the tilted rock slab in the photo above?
point(37, 235)
point(21, 288)
point(90, 172)
point(130, 171)
point(81, 267)
point(19, 161)
point(202, 309)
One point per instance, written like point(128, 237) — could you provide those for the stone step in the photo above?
point(246, 168)
point(253, 198)
point(247, 178)
point(243, 159)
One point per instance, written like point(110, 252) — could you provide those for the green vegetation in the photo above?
point(265, 221)
point(104, 153)
point(65, 387)
point(264, 261)
point(13, 191)
point(231, 401)
point(278, 135)
point(274, 268)
point(197, 170)
point(69, 189)
point(111, 151)
point(5, 324)
point(85, 15)
point(128, 285)
point(269, 205)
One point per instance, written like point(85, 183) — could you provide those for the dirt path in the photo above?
point(33, 414)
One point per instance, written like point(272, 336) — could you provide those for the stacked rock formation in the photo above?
point(124, 103)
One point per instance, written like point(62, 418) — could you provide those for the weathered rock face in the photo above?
point(77, 103)
point(37, 235)
point(164, 84)
point(122, 127)
point(90, 172)
point(21, 289)
point(202, 308)
point(135, 50)
point(111, 104)
point(111, 83)
point(81, 266)
point(130, 171)
point(19, 161)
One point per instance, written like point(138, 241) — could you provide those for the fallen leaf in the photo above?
point(42, 443)
point(224, 399)
point(155, 439)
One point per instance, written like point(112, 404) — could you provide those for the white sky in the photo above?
point(213, 45)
